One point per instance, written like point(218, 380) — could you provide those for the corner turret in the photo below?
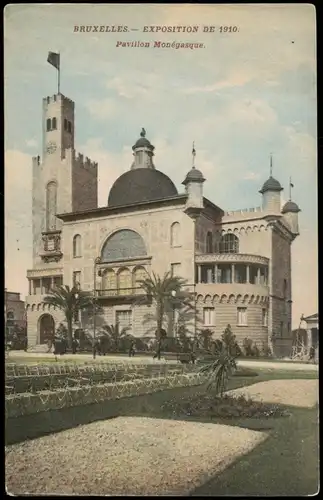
point(271, 189)
point(290, 212)
point(143, 152)
point(193, 183)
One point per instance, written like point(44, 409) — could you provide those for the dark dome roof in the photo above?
point(271, 185)
point(194, 175)
point(142, 142)
point(290, 206)
point(140, 184)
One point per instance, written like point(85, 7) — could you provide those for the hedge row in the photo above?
point(27, 403)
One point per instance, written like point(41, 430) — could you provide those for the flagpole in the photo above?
point(59, 73)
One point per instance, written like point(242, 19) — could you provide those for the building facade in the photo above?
point(15, 313)
point(236, 264)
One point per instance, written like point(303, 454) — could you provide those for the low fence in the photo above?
point(36, 389)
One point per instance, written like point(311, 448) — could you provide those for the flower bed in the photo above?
point(28, 403)
point(211, 406)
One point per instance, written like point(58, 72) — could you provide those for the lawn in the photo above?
point(286, 463)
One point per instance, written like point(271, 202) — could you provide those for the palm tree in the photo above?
point(70, 301)
point(220, 371)
point(115, 333)
point(167, 293)
point(205, 337)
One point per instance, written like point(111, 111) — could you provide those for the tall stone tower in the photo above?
point(62, 181)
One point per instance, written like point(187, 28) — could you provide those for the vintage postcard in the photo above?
point(161, 275)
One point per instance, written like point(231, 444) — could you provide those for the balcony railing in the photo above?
point(231, 257)
point(120, 292)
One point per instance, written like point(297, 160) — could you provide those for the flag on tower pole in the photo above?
point(54, 59)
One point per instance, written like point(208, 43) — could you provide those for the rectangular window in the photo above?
point(264, 317)
point(58, 281)
point(208, 316)
point(176, 269)
point(76, 278)
point(242, 316)
point(124, 318)
point(281, 328)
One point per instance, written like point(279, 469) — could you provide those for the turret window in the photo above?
point(54, 124)
point(229, 244)
point(69, 127)
point(65, 124)
point(209, 242)
point(175, 235)
point(48, 124)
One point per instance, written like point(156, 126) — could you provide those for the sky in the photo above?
point(243, 95)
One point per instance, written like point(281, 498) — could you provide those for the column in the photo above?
point(232, 273)
point(29, 283)
point(248, 274)
point(258, 276)
point(215, 273)
point(309, 338)
point(52, 282)
point(41, 286)
point(199, 274)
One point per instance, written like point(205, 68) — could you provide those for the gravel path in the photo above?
point(297, 392)
point(126, 456)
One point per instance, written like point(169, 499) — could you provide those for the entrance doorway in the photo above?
point(46, 328)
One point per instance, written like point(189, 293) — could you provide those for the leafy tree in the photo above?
point(229, 342)
point(220, 371)
point(115, 334)
point(166, 293)
point(70, 301)
point(204, 338)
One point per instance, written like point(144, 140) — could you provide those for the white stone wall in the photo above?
point(153, 226)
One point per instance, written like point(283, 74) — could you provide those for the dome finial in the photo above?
point(271, 164)
point(193, 155)
point(290, 188)
point(143, 132)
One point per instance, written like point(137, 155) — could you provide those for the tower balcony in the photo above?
point(232, 269)
point(51, 246)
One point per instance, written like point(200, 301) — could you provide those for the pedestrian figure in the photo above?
point(132, 349)
point(312, 354)
point(74, 345)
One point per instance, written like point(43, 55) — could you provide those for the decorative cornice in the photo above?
point(134, 261)
point(231, 257)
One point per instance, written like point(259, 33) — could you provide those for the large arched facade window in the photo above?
point(175, 234)
point(209, 242)
point(124, 244)
point(229, 243)
point(124, 282)
point(77, 246)
point(51, 205)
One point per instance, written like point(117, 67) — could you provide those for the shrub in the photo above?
point(219, 371)
point(247, 346)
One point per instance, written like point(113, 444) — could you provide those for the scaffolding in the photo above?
point(299, 350)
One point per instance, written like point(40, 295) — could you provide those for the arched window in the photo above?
point(124, 244)
point(109, 282)
point(48, 124)
point(209, 242)
point(229, 243)
point(138, 275)
point(175, 234)
point(54, 124)
point(124, 282)
point(77, 246)
point(10, 318)
point(51, 206)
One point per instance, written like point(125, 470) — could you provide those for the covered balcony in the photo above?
point(231, 269)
